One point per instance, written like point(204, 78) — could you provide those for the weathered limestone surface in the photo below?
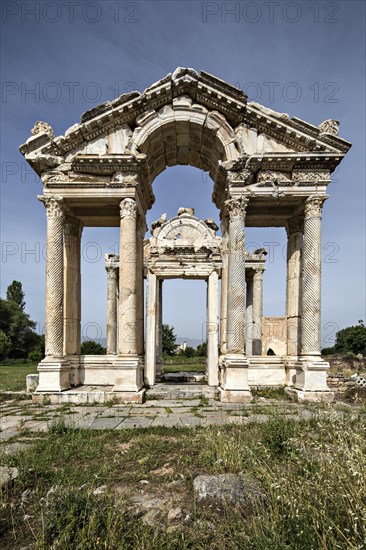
point(268, 170)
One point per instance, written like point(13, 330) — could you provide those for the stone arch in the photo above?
point(184, 133)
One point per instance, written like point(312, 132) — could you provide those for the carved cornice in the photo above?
point(55, 206)
point(313, 205)
point(128, 209)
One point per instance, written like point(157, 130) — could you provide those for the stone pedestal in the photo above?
point(234, 386)
point(128, 365)
point(53, 369)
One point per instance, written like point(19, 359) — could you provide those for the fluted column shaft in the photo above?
point(257, 312)
point(112, 310)
point(236, 276)
point(249, 316)
point(293, 284)
point(128, 317)
point(72, 285)
point(311, 277)
point(212, 329)
point(159, 327)
point(224, 279)
point(141, 230)
point(150, 329)
point(54, 322)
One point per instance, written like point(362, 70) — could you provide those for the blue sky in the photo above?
point(303, 58)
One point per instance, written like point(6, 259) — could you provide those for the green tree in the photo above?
point(188, 352)
point(15, 293)
point(5, 345)
point(19, 329)
point(202, 349)
point(90, 347)
point(351, 339)
point(169, 340)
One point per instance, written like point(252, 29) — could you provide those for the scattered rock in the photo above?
point(227, 489)
point(7, 474)
point(151, 517)
point(100, 490)
point(174, 514)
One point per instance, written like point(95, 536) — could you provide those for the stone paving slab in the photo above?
point(106, 423)
point(135, 422)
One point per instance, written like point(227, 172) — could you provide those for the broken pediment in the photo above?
point(184, 118)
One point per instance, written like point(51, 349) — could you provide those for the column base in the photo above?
point(311, 374)
point(54, 375)
point(310, 396)
point(234, 379)
point(74, 361)
point(129, 372)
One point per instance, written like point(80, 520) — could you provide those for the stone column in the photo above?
point(112, 310)
point(150, 329)
point(54, 370)
point(236, 276)
point(224, 273)
point(249, 315)
point(141, 230)
point(293, 284)
point(128, 366)
point(159, 329)
point(213, 329)
point(72, 295)
point(257, 311)
point(234, 375)
point(311, 373)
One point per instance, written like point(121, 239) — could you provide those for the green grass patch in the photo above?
point(312, 473)
point(12, 377)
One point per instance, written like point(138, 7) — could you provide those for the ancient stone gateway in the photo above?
point(268, 170)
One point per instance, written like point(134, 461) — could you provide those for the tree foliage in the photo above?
point(91, 347)
point(188, 352)
point(351, 339)
point(18, 328)
point(15, 294)
point(169, 340)
point(202, 350)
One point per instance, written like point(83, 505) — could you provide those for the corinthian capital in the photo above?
point(236, 206)
point(314, 205)
point(72, 226)
point(295, 225)
point(55, 206)
point(128, 208)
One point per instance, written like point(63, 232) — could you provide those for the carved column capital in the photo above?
point(313, 205)
point(72, 226)
point(111, 272)
point(258, 272)
point(55, 206)
point(295, 225)
point(236, 206)
point(128, 209)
